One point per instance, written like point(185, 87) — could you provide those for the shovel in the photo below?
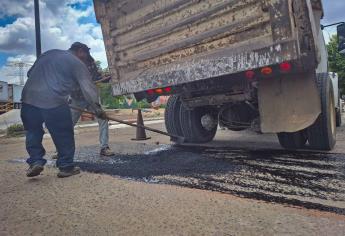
point(175, 138)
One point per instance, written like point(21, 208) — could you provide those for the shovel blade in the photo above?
point(178, 140)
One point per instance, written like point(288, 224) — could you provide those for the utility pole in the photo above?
point(37, 28)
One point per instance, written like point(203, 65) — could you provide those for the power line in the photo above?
point(20, 66)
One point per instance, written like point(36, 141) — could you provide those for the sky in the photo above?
point(66, 21)
point(62, 23)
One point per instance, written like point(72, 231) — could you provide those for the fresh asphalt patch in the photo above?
point(302, 179)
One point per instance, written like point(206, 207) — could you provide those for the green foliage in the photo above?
point(336, 61)
point(104, 72)
point(99, 67)
point(15, 130)
point(111, 102)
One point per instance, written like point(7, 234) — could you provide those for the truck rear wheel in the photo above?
point(172, 116)
point(293, 141)
point(322, 134)
point(199, 125)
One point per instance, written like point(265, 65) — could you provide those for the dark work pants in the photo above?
point(59, 123)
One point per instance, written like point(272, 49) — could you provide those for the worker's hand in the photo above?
point(69, 100)
point(100, 113)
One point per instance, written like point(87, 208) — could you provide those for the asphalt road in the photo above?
point(303, 179)
point(244, 165)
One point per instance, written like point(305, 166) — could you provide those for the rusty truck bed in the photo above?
point(159, 43)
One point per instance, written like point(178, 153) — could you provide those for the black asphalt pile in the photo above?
point(303, 179)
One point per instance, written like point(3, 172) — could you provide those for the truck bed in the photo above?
point(160, 43)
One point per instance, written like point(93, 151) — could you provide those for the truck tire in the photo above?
point(172, 116)
point(322, 134)
point(192, 125)
point(293, 141)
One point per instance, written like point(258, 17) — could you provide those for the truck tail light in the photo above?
point(167, 89)
point(250, 74)
point(150, 92)
point(266, 71)
point(159, 91)
point(285, 67)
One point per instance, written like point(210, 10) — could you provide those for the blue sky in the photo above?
point(66, 21)
point(82, 7)
point(7, 20)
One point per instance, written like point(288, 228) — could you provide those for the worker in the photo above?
point(78, 100)
point(52, 78)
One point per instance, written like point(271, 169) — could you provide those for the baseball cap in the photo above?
point(78, 45)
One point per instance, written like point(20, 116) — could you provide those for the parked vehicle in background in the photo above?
point(10, 96)
point(3, 92)
point(251, 64)
point(15, 95)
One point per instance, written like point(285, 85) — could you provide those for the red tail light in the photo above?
point(167, 89)
point(159, 91)
point(250, 74)
point(266, 71)
point(285, 67)
point(150, 92)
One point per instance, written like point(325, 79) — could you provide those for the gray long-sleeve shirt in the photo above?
point(54, 76)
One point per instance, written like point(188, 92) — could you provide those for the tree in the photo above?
point(336, 61)
point(104, 72)
point(107, 98)
point(99, 67)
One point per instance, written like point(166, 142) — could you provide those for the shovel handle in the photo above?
point(130, 124)
point(102, 80)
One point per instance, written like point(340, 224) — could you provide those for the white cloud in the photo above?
point(59, 29)
point(23, 58)
point(18, 37)
point(15, 7)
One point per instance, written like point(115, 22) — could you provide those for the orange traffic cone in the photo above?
point(141, 134)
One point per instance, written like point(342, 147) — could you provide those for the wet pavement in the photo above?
point(302, 179)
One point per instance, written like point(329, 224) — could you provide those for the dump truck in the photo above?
point(238, 64)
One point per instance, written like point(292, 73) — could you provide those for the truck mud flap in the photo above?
point(288, 103)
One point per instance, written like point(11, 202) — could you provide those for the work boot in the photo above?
point(107, 152)
point(63, 173)
point(34, 170)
